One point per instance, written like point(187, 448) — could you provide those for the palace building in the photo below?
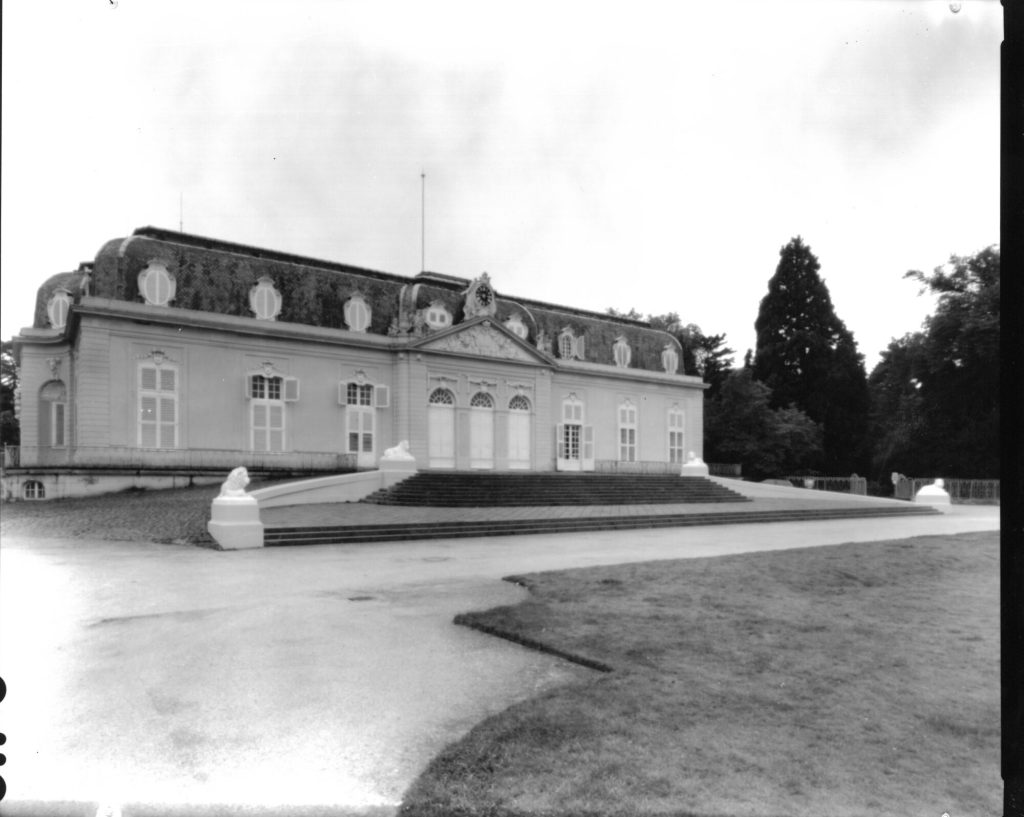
point(176, 354)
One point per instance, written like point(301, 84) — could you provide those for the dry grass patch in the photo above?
point(850, 680)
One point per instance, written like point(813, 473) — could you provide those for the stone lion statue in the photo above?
point(235, 484)
point(399, 452)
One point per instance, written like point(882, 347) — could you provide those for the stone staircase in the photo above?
point(453, 529)
point(477, 489)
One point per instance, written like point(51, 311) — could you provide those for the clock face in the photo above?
point(484, 294)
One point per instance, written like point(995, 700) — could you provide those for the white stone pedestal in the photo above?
point(933, 495)
point(235, 523)
point(694, 467)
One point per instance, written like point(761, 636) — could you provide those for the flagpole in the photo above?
point(423, 222)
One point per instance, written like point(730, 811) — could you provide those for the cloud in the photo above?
point(898, 73)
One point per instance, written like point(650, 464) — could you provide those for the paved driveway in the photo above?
point(324, 677)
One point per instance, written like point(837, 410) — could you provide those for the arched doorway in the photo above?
point(481, 431)
point(441, 428)
point(519, 433)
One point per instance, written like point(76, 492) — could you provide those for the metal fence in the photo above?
point(962, 490)
point(844, 485)
point(726, 469)
point(191, 459)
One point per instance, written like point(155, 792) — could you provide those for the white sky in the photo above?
point(653, 155)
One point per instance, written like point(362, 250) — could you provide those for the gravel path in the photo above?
point(177, 515)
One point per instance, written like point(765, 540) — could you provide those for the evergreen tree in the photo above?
point(809, 359)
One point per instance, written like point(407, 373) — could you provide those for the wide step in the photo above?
point(350, 534)
point(461, 489)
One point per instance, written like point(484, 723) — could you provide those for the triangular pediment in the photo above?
point(483, 338)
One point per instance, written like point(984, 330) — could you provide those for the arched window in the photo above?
point(57, 308)
point(33, 489)
point(357, 313)
point(264, 299)
point(442, 397)
point(519, 403)
point(482, 400)
point(156, 285)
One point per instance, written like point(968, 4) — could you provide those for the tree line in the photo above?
point(803, 403)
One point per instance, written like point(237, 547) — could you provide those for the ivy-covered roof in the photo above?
point(216, 276)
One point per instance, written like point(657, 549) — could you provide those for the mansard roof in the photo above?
point(216, 276)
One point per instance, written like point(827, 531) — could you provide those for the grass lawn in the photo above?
point(861, 679)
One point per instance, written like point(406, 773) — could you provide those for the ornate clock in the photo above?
point(480, 298)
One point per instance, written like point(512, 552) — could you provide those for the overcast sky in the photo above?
point(651, 155)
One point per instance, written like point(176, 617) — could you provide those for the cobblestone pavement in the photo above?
point(149, 516)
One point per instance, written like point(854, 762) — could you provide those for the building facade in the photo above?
point(172, 351)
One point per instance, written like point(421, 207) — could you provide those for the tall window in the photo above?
point(627, 431)
point(359, 418)
point(268, 395)
point(53, 414)
point(158, 406)
point(675, 435)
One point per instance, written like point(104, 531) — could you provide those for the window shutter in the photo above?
point(291, 389)
point(248, 386)
point(342, 393)
point(147, 375)
point(167, 379)
point(580, 347)
point(382, 396)
point(588, 442)
point(560, 440)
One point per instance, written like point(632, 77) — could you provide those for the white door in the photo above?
point(519, 433)
point(569, 437)
point(359, 427)
point(481, 431)
point(441, 429)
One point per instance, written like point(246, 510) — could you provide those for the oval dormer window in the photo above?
point(57, 308)
point(516, 326)
point(622, 353)
point(264, 299)
point(669, 360)
point(156, 285)
point(438, 316)
point(357, 313)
